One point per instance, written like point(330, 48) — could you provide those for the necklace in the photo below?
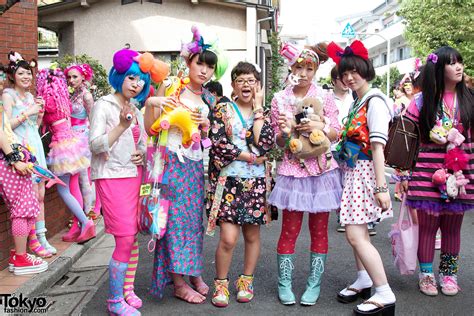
point(194, 91)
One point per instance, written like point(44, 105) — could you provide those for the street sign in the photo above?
point(348, 31)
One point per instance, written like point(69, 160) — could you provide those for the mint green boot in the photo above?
point(285, 269)
point(311, 295)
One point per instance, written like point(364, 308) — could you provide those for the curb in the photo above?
point(59, 267)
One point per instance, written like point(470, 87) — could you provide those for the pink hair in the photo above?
point(84, 69)
point(52, 87)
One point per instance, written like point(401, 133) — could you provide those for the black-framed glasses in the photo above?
point(241, 81)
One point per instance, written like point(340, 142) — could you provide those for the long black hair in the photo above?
point(432, 87)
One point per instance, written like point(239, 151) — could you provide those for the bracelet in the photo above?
point(253, 157)
point(258, 115)
point(22, 117)
point(381, 189)
point(13, 157)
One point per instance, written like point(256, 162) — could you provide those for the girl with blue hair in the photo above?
point(117, 140)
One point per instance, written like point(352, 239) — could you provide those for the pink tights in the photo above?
point(22, 226)
point(291, 227)
point(123, 248)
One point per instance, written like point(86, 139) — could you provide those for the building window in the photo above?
point(400, 54)
point(384, 59)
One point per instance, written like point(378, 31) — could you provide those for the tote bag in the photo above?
point(404, 236)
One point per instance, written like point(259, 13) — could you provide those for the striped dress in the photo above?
point(422, 193)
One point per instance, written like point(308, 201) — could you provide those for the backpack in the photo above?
point(401, 150)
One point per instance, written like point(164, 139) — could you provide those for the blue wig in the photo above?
point(116, 80)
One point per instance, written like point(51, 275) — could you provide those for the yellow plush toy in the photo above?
point(179, 116)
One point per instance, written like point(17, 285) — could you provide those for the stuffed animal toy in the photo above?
point(315, 144)
point(439, 178)
point(455, 184)
point(438, 135)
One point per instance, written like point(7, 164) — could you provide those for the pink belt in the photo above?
point(77, 121)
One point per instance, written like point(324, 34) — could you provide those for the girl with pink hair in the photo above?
point(68, 149)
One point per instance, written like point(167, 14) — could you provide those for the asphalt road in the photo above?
point(340, 271)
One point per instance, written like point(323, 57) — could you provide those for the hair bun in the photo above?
point(123, 59)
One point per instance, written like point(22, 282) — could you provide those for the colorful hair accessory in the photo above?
point(84, 69)
point(295, 55)
point(16, 60)
point(433, 58)
point(157, 69)
point(123, 60)
point(357, 48)
point(197, 46)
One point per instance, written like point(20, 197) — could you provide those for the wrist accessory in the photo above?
point(253, 157)
point(13, 157)
point(258, 115)
point(381, 189)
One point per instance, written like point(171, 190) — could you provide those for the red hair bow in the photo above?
point(356, 49)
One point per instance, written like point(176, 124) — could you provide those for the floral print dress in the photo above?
point(237, 190)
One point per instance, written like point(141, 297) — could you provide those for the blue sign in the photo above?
point(348, 31)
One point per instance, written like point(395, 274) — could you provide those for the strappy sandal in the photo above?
point(381, 309)
point(362, 293)
point(187, 294)
point(199, 285)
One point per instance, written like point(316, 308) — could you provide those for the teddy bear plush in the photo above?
point(316, 143)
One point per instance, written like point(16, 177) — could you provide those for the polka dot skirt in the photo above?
point(17, 192)
point(358, 204)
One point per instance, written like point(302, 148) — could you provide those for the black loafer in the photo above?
point(362, 293)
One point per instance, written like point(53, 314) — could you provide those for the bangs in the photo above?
point(447, 55)
point(208, 57)
point(363, 67)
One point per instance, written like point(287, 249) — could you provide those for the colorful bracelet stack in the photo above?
point(381, 189)
point(13, 157)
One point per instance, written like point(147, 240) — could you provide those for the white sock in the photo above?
point(363, 281)
point(383, 295)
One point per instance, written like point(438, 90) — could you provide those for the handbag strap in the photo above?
point(403, 210)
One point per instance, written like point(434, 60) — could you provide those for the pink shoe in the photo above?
point(449, 284)
point(74, 232)
point(427, 284)
point(87, 233)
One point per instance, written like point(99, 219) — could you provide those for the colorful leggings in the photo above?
point(22, 226)
point(450, 226)
point(291, 227)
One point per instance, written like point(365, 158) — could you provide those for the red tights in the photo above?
point(291, 227)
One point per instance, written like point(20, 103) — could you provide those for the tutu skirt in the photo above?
point(69, 150)
point(309, 194)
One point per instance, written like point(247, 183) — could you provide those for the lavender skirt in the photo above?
point(310, 194)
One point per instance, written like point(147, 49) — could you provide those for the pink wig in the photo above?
point(84, 69)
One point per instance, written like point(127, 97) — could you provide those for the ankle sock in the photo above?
point(426, 267)
point(363, 281)
point(383, 295)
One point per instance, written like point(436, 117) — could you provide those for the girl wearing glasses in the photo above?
point(304, 187)
point(241, 136)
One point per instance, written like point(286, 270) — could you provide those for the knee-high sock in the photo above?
point(451, 233)
point(131, 269)
point(428, 225)
point(86, 190)
point(123, 248)
point(71, 202)
point(290, 230)
point(74, 188)
point(318, 229)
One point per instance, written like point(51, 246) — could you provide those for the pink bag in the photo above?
point(404, 237)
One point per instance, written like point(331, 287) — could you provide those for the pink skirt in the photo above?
point(119, 199)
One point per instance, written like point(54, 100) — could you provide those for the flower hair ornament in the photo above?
point(198, 45)
point(16, 61)
point(84, 69)
point(357, 48)
point(124, 58)
point(433, 58)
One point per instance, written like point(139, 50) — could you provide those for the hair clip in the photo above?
point(433, 58)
